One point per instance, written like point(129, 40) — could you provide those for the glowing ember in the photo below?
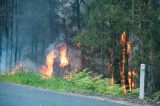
point(47, 70)
point(63, 56)
point(17, 67)
point(68, 77)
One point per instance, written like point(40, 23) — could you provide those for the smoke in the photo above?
point(36, 31)
point(29, 65)
point(3, 62)
point(35, 26)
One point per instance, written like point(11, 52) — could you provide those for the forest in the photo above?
point(111, 38)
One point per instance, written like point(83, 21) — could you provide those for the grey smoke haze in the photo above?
point(36, 25)
point(37, 29)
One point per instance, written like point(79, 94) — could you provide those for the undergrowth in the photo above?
point(81, 82)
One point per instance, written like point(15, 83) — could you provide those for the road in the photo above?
point(20, 95)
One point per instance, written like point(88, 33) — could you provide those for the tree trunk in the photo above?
point(78, 15)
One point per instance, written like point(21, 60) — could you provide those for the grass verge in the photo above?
point(81, 82)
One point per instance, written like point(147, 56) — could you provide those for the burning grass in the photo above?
point(80, 82)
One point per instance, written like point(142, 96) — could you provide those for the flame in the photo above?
point(122, 62)
point(68, 77)
point(122, 72)
point(129, 47)
point(63, 56)
point(134, 74)
point(112, 79)
point(123, 38)
point(131, 74)
point(110, 67)
point(48, 68)
point(17, 68)
point(130, 80)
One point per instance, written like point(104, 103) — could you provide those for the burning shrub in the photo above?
point(47, 70)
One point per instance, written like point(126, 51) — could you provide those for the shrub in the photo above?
point(156, 96)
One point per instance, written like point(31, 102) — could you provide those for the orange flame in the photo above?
point(131, 74)
point(110, 67)
point(122, 63)
point(63, 56)
point(48, 68)
point(123, 38)
point(68, 77)
point(134, 74)
point(112, 79)
point(130, 80)
point(129, 47)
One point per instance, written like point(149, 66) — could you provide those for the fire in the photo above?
point(112, 79)
point(122, 62)
point(131, 74)
point(68, 77)
point(47, 69)
point(134, 74)
point(129, 47)
point(17, 68)
point(63, 56)
point(122, 72)
point(110, 67)
point(123, 38)
point(130, 80)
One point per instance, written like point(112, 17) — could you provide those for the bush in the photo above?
point(156, 96)
point(81, 82)
point(96, 84)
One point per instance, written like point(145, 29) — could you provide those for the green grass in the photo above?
point(34, 79)
point(81, 82)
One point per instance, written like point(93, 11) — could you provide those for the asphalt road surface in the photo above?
point(19, 95)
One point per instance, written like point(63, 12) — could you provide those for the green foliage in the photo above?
point(133, 93)
point(156, 96)
point(81, 82)
point(108, 18)
point(89, 41)
point(95, 84)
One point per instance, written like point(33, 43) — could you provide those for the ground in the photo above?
point(20, 95)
